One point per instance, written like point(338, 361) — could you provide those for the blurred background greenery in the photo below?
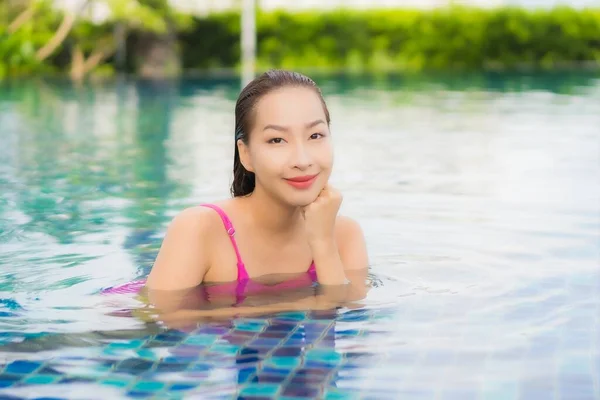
point(151, 37)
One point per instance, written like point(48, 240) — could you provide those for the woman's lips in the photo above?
point(302, 182)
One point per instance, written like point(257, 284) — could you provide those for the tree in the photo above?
point(91, 42)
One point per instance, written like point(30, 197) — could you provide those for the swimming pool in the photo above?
point(479, 197)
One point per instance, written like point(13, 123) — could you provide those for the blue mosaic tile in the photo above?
point(292, 316)
point(329, 356)
point(139, 395)
point(295, 398)
point(134, 366)
point(271, 378)
point(148, 386)
point(301, 391)
point(76, 379)
point(115, 381)
point(48, 370)
point(277, 371)
point(348, 333)
point(183, 359)
point(41, 379)
point(170, 367)
point(283, 362)
point(261, 389)
point(308, 379)
point(264, 342)
point(202, 340)
point(7, 380)
point(245, 374)
point(22, 367)
point(273, 335)
point(133, 344)
point(248, 326)
point(337, 394)
point(325, 366)
point(282, 326)
point(247, 360)
point(288, 351)
point(181, 387)
point(225, 348)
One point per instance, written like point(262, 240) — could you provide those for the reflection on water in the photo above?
point(479, 196)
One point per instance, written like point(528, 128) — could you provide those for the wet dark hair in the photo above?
point(243, 180)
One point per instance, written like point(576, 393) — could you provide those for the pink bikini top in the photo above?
point(244, 285)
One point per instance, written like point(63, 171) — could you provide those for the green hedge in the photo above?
point(449, 38)
point(378, 40)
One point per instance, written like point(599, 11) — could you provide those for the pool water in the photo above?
point(479, 196)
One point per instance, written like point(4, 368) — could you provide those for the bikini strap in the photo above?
point(241, 268)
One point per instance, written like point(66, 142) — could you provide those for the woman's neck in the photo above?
point(270, 215)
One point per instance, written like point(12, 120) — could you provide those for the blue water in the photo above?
point(479, 196)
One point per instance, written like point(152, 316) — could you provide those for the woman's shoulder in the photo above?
point(200, 218)
point(347, 228)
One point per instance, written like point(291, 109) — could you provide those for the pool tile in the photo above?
point(264, 342)
point(295, 398)
point(271, 378)
point(202, 340)
point(133, 344)
point(283, 362)
point(246, 374)
point(76, 379)
point(171, 367)
point(260, 389)
point(291, 351)
point(148, 386)
point(180, 387)
point(337, 394)
point(115, 381)
point(22, 367)
point(139, 395)
point(291, 316)
point(329, 356)
point(41, 379)
point(225, 348)
point(134, 366)
point(247, 360)
point(249, 326)
point(292, 390)
point(273, 334)
point(277, 371)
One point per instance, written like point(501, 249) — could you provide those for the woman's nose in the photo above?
point(301, 157)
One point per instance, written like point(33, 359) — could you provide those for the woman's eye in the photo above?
point(275, 140)
point(316, 135)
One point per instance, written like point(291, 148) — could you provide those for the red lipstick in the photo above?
point(302, 182)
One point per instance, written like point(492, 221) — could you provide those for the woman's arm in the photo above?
point(182, 260)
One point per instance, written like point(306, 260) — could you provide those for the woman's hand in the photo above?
point(320, 217)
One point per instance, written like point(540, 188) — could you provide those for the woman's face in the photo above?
point(290, 149)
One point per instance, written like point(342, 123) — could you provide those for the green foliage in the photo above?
point(408, 40)
point(17, 50)
point(461, 38)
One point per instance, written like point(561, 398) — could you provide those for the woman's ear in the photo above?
point(244, 153)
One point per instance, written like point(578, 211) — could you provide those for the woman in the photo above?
point(282, 219)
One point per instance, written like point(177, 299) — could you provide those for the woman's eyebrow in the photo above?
point(286, 129)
